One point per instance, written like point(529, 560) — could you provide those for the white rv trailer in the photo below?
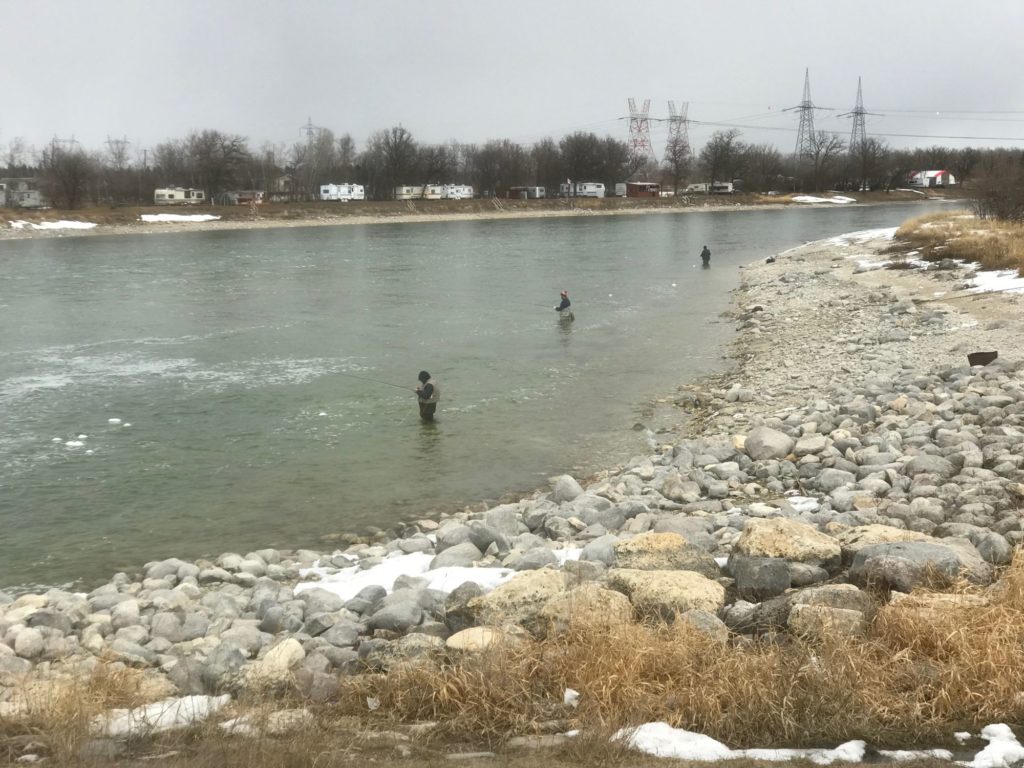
point(589, 189)
point(433, 192)
point(581, 189)
point(457, 192)
point(408, 193)
point(178, 196)
point(342, 192)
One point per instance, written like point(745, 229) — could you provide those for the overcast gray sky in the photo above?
point(523, 69)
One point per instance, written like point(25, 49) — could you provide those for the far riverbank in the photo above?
point(18, 224)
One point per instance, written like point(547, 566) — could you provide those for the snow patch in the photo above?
point(53, 224)
point(1002, 280)
point(1003, 748)
point(662, 740)
point(163, 715)
point(838, 199)
point(159, 218)
point(863, 236)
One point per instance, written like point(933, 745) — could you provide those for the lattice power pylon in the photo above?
point(858, 134)
point(640, 129)
point(678, 126)
point(805, 133)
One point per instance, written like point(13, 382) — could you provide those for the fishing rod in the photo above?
point(374, 381)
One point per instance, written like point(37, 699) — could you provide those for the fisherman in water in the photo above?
point(563, 308)
point(428, 394)
point(705, 256)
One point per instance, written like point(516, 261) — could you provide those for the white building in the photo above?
point(932, 179)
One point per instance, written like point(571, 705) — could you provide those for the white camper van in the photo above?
point(342, 192)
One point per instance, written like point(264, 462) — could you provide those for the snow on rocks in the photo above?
point(52, 225)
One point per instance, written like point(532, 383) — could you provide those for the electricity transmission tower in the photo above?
point(805, 138)
point(640, 130)
point(309, 129)
point(678, 127)
point(858, 135)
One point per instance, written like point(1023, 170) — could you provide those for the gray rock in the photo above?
point(504, 518)
point(319, 600)
point(29, 643)
point(52, 619)
point(458, 615)
point(245, 637)
point(459, 555)
point(829, 480)
point(451, 534)
point(342, 634)
point(928, 464)
point(565, 488)
point(398, 612)
point(904, 565)
point(366, 599)
point(221, 668)
point(538, 557)
point(767, 443)
point(482, 536)
point(166, 625)
point(125, 614)
point(759, 578)
point(131, 653)
point(600, 550)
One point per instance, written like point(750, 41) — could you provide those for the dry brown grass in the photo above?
point(991, 243)
point(914, 679)
point(924, 670)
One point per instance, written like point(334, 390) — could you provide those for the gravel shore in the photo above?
point(849, 447)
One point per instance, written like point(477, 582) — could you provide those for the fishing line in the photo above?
point(374, 381)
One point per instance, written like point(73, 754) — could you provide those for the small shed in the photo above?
point(643, 189)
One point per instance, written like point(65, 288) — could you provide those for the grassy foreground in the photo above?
point(992, 243)
point(929, 665)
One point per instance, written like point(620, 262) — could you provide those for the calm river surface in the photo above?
point(228, 358)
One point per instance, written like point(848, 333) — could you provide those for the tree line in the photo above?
point(72, 176)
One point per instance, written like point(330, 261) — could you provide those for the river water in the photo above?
point(189, 394)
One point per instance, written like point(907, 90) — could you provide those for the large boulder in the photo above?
point(928, 464)
point(853, 540)
point(819, 621)
point(589, 605)
point(789, 540)
point(767, 443)
point(275, 669)
point(520, 599)
point(667, 594)
point(664, 552)
point(905, 565)
point(565, 488)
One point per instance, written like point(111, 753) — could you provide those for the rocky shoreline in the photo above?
point(850, 450)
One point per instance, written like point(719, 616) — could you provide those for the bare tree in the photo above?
point(218, 159)
point(547, 164)
point(399, 155)
point(722, 156)
point(583, 156)
point(66, 175)
point(677, 161)
point(868, 163)
point(825, 151)
point(762, 168)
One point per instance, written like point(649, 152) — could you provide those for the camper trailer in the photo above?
point(526, 193)
point(589, 189)
point(457, 192)
point(342, 192)
point(722, 188)
point(178, 196)
point(408, 193)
